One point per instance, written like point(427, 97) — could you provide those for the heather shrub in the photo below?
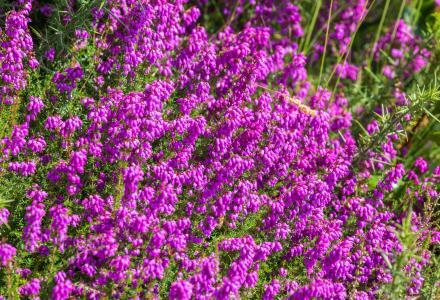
point(219, 149)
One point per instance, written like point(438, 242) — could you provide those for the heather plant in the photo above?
point(219, 149)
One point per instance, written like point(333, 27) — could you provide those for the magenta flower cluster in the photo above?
point(213, 170)
point(15, 54)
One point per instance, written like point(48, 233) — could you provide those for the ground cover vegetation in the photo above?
point(234, 149)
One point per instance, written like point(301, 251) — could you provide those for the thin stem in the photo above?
point(399, 15)
point(416, 15)
point(345, 55)
point(378, 32)
point(306, 42)
point(319, 30)
point(321, 69)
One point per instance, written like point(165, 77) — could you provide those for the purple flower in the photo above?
point(31, 288)
point(4, 214)
point(181, 290)
point(7, 252)
point(50, 54)
point(63, 287)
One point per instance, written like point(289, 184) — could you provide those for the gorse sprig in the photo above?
point(421, 102)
